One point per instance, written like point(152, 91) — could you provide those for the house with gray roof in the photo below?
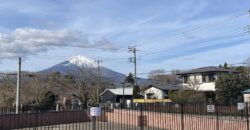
point(202, 79)
point(160, 91)
point(116, 95)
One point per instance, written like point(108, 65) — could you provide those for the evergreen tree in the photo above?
point(136, 92)
point(225, 65)
point(136, 89)
point(130, 79)
point(229, 87)
point(47, 100)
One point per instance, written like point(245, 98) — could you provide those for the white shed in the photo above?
point(246, 95)
point(155, 93)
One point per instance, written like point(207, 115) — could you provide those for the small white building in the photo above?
point(202, 79)
point(246, 95)
point(159, 92)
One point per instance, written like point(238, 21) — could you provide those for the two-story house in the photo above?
point(202, 79)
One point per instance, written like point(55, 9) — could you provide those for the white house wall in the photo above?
point(194, 78)
point(208, 86)
point(246, 97)
point(159, 94)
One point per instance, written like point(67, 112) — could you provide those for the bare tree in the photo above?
point(81, 84)
point(160, 76)
point(194, 84)
point(7, 91)
point(248, 67)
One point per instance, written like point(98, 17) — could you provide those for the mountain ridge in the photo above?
point(74, 63)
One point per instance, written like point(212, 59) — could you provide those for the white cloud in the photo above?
point(26, 41)
point(232, 55)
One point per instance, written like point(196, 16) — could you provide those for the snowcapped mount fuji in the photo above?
point(81, 61)
point(74, 63)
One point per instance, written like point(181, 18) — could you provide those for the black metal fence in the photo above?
point(144, 116)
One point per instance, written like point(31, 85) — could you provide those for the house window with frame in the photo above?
point(185, 79)
point(211, 78)
point(206, 78)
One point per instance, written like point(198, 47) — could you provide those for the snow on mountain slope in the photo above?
point(81, 61)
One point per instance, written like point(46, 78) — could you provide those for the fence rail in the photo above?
point(142, 116)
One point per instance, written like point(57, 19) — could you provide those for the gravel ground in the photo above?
point(88, 126)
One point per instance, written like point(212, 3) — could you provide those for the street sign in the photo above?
point(241, 106)
point(210, 108)
point(95, 111)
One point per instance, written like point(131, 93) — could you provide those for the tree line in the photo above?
point(55, 88)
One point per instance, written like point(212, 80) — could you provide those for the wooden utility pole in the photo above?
point(248, 27)
point(18, 85)
point(98, 79)
point(134, 60)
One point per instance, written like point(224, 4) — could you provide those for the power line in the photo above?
point(205, 42)
point(229, 33)
point(188, 31)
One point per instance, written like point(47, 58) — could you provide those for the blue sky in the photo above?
point(180, 34)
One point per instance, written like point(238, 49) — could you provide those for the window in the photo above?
point(211, 78)
point(204, 78)
point(185, 79)
point(149, 95)
point(208, 78)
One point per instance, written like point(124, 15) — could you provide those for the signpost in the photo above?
point(94, 112)
point(241, 106)
point(210, 108)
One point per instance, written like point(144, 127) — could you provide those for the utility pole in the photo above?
point(248, 31)
point(123, 102)
point(98, 78)
point(133, 60)
point(247, 28)
point(18, 85)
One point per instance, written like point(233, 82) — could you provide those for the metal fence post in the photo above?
point(141, 118)
point(247, 116)
point(93, 123)
point(182, 117)
point(36, 112)
point(217, 117)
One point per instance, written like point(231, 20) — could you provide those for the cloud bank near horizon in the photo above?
point(29, 41)
point(169, 34)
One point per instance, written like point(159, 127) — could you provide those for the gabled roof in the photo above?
point(119, 91)
point(208, 69)
point(167, 86)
